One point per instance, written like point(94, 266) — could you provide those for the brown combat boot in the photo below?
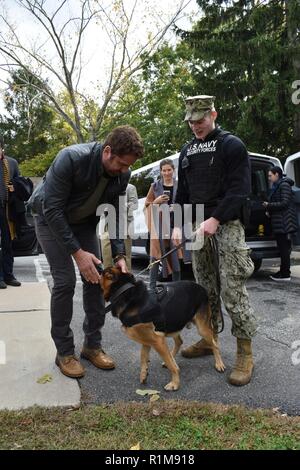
point(199, 349)
point(70, 366)
point(98, 358)
point(242, 371)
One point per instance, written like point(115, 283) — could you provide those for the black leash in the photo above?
point(150, 265)
point(215, 258)
point(128, 286)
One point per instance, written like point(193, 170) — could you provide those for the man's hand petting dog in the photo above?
point(86, 264)
point(121, 263)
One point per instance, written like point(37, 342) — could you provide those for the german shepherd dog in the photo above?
point(149, 322)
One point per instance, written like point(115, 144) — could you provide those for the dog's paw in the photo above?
point(171, 386)
point(220, 366)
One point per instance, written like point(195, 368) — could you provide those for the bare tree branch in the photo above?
point(136, 61)
point(56, 57)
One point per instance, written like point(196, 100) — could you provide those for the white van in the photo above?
point(258, 232)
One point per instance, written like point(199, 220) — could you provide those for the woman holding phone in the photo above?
point(160, 198)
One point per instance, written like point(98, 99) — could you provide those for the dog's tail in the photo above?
point(209, 319)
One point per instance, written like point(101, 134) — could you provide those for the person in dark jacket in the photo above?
point(8, 170)
point(214, 171)
point(281, 209)
point(80, 178)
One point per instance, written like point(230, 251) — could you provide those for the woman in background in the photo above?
point(281, 209)
point(163, 192)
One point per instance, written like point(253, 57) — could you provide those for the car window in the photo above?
point(176, 167)
point(297, 172)
point(143, 180)
point(260, 185)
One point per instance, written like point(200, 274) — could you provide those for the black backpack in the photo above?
point(23, 187)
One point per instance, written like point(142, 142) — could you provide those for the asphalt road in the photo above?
point(276, 380)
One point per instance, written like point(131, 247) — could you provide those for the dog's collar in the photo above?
point(117, 294)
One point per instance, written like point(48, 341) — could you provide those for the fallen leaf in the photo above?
point(156, 412)
point(17, 446)
point(74, 408)
point(44, 379)
point(26, 422)
point(143, 393)
point(136, 447)
point(154, 398)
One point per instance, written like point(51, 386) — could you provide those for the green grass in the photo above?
point(179, 425)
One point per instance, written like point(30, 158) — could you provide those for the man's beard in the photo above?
point(113, 173)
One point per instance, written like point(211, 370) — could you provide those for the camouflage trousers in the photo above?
point(235, 266)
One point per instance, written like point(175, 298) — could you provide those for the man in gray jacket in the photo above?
point(81, 178)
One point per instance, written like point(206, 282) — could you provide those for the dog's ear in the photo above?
point(109, 276)
point(110, 273)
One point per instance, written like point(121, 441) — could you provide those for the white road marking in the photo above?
point(2, 353)
point(42, 269)
point(38, 271)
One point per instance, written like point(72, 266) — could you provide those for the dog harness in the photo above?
point(152, 311)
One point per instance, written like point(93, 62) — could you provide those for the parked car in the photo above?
point(258, 231)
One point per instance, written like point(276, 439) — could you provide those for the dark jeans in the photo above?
point(284, 246)
point(7, 259)
point(63, 273)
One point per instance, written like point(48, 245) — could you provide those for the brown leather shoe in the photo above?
point(199, 349)
point(70, 366)
point(98, 358)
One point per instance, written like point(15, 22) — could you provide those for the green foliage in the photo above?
point(33, 133)
point(245, 55)
point(61, 136)
point(27, 123)
point(154, 103)
point(244, 52)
